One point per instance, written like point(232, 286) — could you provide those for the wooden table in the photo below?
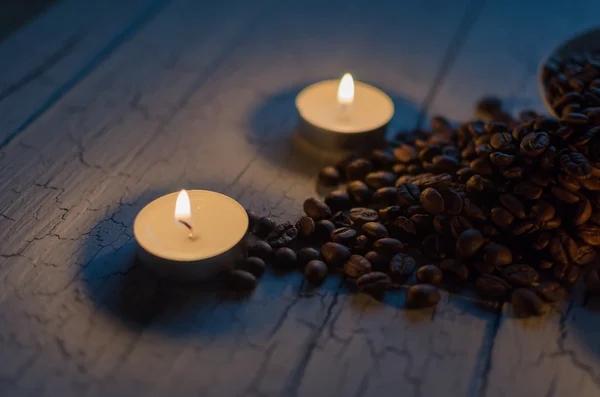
point(106, 104)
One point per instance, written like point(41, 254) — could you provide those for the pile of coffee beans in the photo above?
point(509, 207)
point(573, 86)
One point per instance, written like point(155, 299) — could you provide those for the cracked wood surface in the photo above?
point(201, 96)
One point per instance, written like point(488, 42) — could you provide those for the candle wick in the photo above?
point(344, 110)
point(190, 228)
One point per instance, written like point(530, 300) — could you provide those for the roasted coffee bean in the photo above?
point(422, 296)
point(374, 283)
point(264, 226)
point(323, 230)
point(317, 209)
point(575, 164)
point(573, 273)
point(488, 106)
point(424, 222)
point(477, 186)
point(592, 281)
point(402, 266)
point(260, 249)
point(408, 194)
point(388, 246)
point(524, 228)
point(439, 182)
point(253, 265)
point(483, 268)
point(335, 255)
point(561, 247)
point(329, 176)
point(502, 141)
point(252, 219)
point(473, 211)
point(357, 266)
point(584, 255)
point(453, 202)
point(445, 163)
point(429, 274)
point(283, 235)
point(338, 200)
point(360, 216)
point(541, 241)
point(520, 275)
point(341, 219)
point(590, 233)
point(501, 159)
point(483, 150)
point(568, 182)
point(468, 243)
point(285, 258)
point(305, 226)
point(415, 209)
point(546, 160)
point(502, 217)
point(241, 279)
point(489, 231)
point(382, 158)
point(454, 269)
point(497, 255)
point(513, 204)
point(383, 197)
point(429, 152)
point(358, 169)
point(379, 179)
point(405, 225)
point(583, 212)
point(379, 262)
point(482, 166)
point(564, 195)
point(575, 118)
point(441, 224)
point(529, 190)
point(551, 291)
point(432, 201)
point(535, 143)
point(551, 224)
point(541, 178)
point(542, 211)
point(315, 272)
point(306, 255)
point(405, 153)
point(374, 230)
point(389, 214)
point(527, 303)
point(458, 225)
point(359, 192)
point(512, 172)
point(344, 236)
point(519, 132)
point(361, 245)
point(492, 287)
point(495, 127)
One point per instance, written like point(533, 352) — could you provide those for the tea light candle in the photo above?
point(189, 236)
point(342, 115)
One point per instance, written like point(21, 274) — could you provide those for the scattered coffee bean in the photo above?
point(527, 303)
point(432, 201)
point(551, 291)
point(323, 230)
point(305, 226)
point(306, 255)
point(359, 193)
point(260, 249)
point(520, 275)
point(374, 283)
point(361, 245)
point(242, 280)
point(590, 233)
point(263, 227)
point(535, 143)
point(374, 230)
point(358, 169)
point(329, 176)
point(315, 272)
point(379, 179)
point(513, 204)
point(335, 255)
point(282, 235)
point(454, 270)
point(468, 243)
point(497, 255)
point(383, 197)
point(360, 216)
point(338, 200)
point(502, 217)
point(453, 202)
point(316, 209)
point(344, 236)
point(422, 296)
point(285, 258)
point(402, 266)
point(388, 246)
point(429, 274)
point(341, 219)
point(492, 287)
point(253, 265)
point(357, 266)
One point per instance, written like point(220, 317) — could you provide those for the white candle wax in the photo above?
point(219, 223)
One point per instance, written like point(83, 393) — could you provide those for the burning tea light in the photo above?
point(342, 115)
point(189, 236)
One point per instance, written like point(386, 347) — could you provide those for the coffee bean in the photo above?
point(568, 182)
point(429, 152)
point(260, 249)
point(402, 266)
point(242, 280)
point(359, 192)
point(315, 272)
point(564, 195)
point(379, 179)
point(483, 150)
point(344, 236)
point(454, 270)
point(468, 243)
point(361, 215)
point(526, 303)
point(453, 202)
point(497, 255)
point(316, 209)
point(305, 226)
point(489, 231)
point(388, 246)
point(405, 226)
point(432, 201)
point(341, 219)
point(542, 211)
point(458, 225)
point(551, 291)
point(253, 265)
point(590, 233)
point(358, 169)
point(573, 273)
point(335, 255)
point(520, 275)
point(439, 182)
point(252, 219)
point(483, 268)
point(482, 166)
point(551, 224)
point(492, 287)
point(283, 235)
point(592, 281)
point(441, 224)
point(541, 241)
point(535, 143)
point(357, 266)
point(379, 262)
point(445, 163)
point(329, 176)
point(583, 212)
point(338, 200)
point(513, 204)
point(561, 246)
point(495, 127)
point(429, 274)
point(374, 283)
point(473, 211)
point(389, 214)
point(306, 255)
point(584, 255)
point(501, 159)
point(264, 226)
point(575, 164)
point(575, 118)
point(529, 190)
point(382, 158)
point(405, 153)
point(541, 178)
point(323, 230)
point(422, 296)
point(489, 106)
point(502, 217)
point(408, 194)
point(285, 258)
point(361, 245)
point(374, 230)
point(512, 172)
point(383, 197)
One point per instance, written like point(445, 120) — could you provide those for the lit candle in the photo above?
point(189, 236)
point(338, 116)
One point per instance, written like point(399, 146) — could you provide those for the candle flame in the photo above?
point(345, 94)
point(183, 211)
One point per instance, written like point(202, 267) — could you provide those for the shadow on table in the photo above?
point(272, 124)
